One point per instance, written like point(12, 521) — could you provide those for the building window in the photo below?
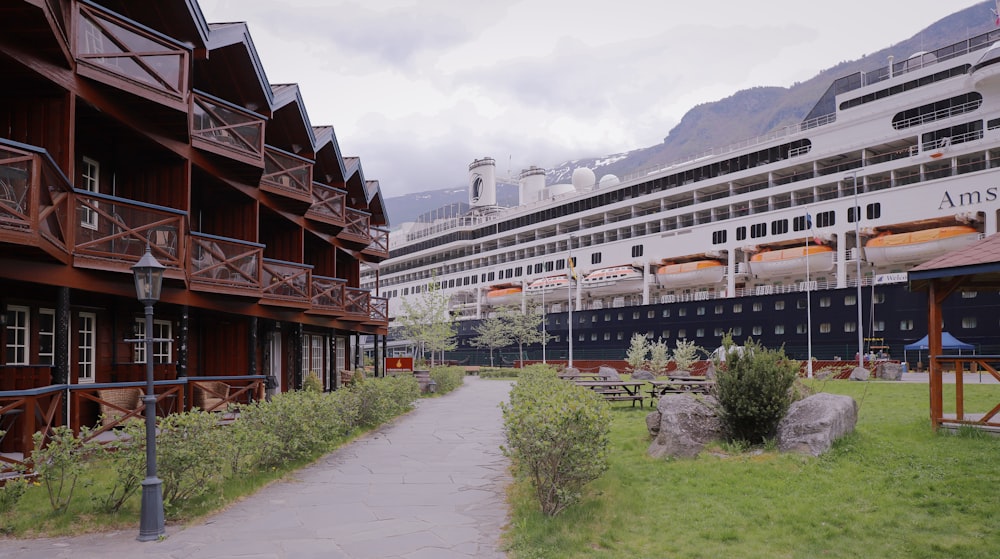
point(682, 334)
point(682, 311)
point(906, 325)
point(800, 223)
point(719, 309)
point(779, 226)
point(593, 337)
point(666, 313)
point(879, 326)
point(758, 230)
point(46, 337)
point(718, 237)
point(824, 301)
point(701, 311)
point(620, 336)
point(635, 315)
point(607, 317)
point(162, 351)
point(666, 334)
point(607, 336)
point(779, 328)
point(700, 333)
point(651, 314)
point(968, 322)
point(969, 294)
point(719, 332)
point(779, 305)
point(824, 328)
point(90, 180)
point(874, 211)
point(86, 347)
point(737, 331)
point(826, 219)
point(595, 258)
point(741, 233)
point(800, 328)
point(757, 307)
point(636, 251)
point(850, 300)
point(17, 335)
point(850, 327)
point(757, 330)
point(737, 307)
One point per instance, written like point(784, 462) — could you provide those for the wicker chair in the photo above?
point(117, 403)
point(211, 396)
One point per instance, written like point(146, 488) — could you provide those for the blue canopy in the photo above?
point(947, 342)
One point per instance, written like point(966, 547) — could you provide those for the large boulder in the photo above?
point(889, 371)
point(687, 423)
point(608, 373)
point(570, 372)
point(860, 373)
point(642, 374)
point(813, 423)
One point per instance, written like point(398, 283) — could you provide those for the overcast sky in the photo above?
point(420, 88)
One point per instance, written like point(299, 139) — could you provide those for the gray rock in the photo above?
point(570, 372)
point(687, 424)
point(813, 423)
point(889, 371)
point(653, 423)
point(860, 373)
point(710, 371)
point(643, 375)
point(608, 373)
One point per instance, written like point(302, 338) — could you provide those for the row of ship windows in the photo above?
point(779, 329)
point(801, 223)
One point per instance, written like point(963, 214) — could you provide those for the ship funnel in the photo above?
point(483, 183)
point(531, 185)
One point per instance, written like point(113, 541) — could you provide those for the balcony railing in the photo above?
point(224, 265)
point(379, 310)
point(287, 174)
point(356, 302)
point(329, 205)
point(287, 282)
point(328, 294)
point(25, 412)
point(112, 233)
point(227, 129)
point(357, 229)
point(129, 56)
point(29, 214)
point(380, 242)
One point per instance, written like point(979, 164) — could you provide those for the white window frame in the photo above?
point(90, 180)
point(163, 352)
point(86, 347)
point(18, 335)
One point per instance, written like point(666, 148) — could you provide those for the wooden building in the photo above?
point(129, 124)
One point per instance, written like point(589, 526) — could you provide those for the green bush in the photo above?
point(496, 372)
point(754, 391)
point(312, 382)
point(447, 378)
point(557, 436)
point(60, 463)
point(381, 399)
point(190, 455)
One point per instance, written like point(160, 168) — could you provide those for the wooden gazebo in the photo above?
point(974, 268)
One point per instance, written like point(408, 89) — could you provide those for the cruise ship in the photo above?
point(780, 238)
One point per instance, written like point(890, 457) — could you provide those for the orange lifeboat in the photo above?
point(503, 294)
point(918, 246)
point(688, 274)
point(792, 261)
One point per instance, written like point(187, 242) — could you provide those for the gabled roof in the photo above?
point(224, 35)
point(376, 205)
point(978, 262)
point(326, 142)
point(286, 94)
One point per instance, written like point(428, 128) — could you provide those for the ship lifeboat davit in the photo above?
point(614, 280)
point(688, 274)
point(503, 294)
point(918, 246)
point(792, 261)
point(552, 288)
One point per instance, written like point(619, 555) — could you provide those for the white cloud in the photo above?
point(419, 88)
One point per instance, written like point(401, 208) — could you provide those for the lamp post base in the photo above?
point(151, 517)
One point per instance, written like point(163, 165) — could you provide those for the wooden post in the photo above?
point(934, 349)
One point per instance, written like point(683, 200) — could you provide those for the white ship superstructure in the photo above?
point(887, 157)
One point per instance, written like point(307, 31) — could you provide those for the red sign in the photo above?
point(399, 364)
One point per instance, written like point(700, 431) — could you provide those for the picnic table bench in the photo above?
point(616, 390)
point(679, 385)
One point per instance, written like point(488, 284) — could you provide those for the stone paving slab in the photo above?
point(429, 485)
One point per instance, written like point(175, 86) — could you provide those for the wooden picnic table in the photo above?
point(688, 386)
point(616, 390)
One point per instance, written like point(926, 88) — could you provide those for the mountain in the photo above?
point(745, 114)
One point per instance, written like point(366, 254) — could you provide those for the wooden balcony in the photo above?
point(327, 295)
point(379, 311)
point(379, 247)
point(128, 56)
point(224, 265)
point(226, 129)
point(111, 233)
point(329, 207)
point(356, 304)
point(357, 231)
point(22, 414)
point(32, 216)
point(287, 284)
point(288, 176)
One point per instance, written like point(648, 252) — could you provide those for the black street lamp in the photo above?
point(148, 281)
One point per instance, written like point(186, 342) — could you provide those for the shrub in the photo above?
point(381, 399)
point(637, 350)
point(754, 391)
point(557, 436)
point(659, 357)
point(190, 454)
point(127, 457)
point(61, 462)
point(495, 372)
point(312, 382)
point(11, 492)
point(447, 378)
point(685, 355)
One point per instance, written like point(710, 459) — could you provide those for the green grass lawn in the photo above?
point(893, 488)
